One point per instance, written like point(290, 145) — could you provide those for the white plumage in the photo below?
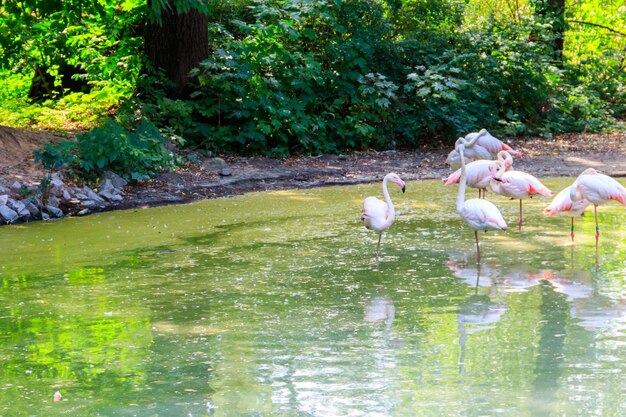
point(517, 185)
point(563, 204)
point(476, 213)
point(378, 215)
point(598, 189)
point(479, 172)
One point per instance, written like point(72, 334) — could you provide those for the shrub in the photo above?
point(135, 155)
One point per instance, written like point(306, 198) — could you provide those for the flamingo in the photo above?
point(491, 143)
point(485, 146)
point(562, 203)
point(474, 153)
point(477, 213)
point(598, 189)
point(378, 215)
point(517, 185)
point(479, 174)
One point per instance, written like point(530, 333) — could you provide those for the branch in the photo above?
point(598, 25)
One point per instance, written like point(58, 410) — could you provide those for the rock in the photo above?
point(7, 214)
point(56, 181)
point(54, 201)
point(16, 205)
point(4, 199)
point(35, 200)
point(66, 194)
point(4, 190)
point(107, 187)
point(215, 164)
point(54, 212)
point(225, 172)
point(72, 201)
point(92, 195)
point(90, 204)
point(107, 195)
point(24, 215)
point(32, 209)
point(45, 216)
point(117, 181)
point(17, 185)
point(83, 212)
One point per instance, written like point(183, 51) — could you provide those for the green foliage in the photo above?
point(317, 76)
point(100, 39)
point(135, 155)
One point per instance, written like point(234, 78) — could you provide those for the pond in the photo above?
point(272, 304)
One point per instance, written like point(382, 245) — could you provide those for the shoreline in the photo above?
point(210, 177)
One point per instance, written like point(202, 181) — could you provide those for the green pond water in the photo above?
point(272, 304)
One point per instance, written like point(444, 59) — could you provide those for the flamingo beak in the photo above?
point(497, 179)
point(403, 188)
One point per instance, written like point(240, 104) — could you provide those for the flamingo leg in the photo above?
point(595, 213)
point(477, 246)
point(380, 235)
point(571, 230)
point(480, 193)
point(520, 215)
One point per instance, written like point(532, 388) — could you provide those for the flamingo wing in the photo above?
point(453, 178)
point(482, 215)
point(561, 203)
point(600, 188)
point(477, 172)
point(495, 145)
point(518, 184)
point(375, 212)
point(476, 152)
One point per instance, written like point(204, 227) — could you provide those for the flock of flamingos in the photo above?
point(474, 167)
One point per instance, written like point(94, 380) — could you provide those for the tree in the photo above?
point(176, 40)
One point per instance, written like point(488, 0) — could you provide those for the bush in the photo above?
point(135, 155)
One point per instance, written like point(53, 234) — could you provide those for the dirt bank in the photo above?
point(566, 155)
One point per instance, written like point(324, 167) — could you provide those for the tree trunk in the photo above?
point(177, 45)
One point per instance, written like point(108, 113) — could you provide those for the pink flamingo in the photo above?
point(479, 174)
point(597, 189)
point(517, 185)
point(378, 215)
point(477, 213)
point(491, 143)
point(484, 146)
point(562, 203)
point(473, 153)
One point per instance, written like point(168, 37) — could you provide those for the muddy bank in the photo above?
point(564, 156)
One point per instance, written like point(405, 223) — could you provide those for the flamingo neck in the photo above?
point(391, 211)
point(460, 199)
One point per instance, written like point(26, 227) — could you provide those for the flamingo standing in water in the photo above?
point(479, 173)
point(378, 215)
point(563, 203)
point(477, 213)
point(517, 185)
point(597, 189)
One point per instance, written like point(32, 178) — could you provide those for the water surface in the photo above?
point(272, 304)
